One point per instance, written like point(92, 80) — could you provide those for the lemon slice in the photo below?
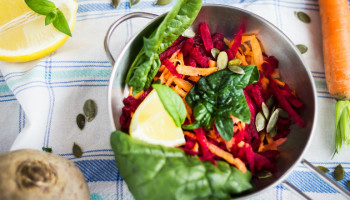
point(152, 123)
point(23, 34)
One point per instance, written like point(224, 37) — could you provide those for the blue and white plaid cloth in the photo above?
point(40, 100)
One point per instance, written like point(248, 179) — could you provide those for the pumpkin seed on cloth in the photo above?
point(302, 48)
point(134, 2)
point(77, 152)
point(115, 3)
point(81, 121)
point(322, 169)
point(90, 110)
point(162, 2)
point(47, 149)
point(339, 173)
point(260, 122)
point(222, 60)
point(303, 17)
point(348, 183)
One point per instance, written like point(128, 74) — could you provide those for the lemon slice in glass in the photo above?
point(23, 34)
point(152, 123)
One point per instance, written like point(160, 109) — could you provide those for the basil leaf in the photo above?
point(50, 18)
point(61, 24)
point(172, 103)
point(217, 96)
point(42, 7)
point(147, 63)
point(158, 172)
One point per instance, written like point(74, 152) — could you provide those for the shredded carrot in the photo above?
point(273, 145)
point(227, 42)
point(130, 91)
point(195, 147)
point(190, 135)
point(180, 91)
point(194, 71)
point(241, 57)
point(227, 156)
point(168, 75)
point(183, 84)
point(240, 144)
point(138, 95)
point(280, 83)
point(194, 78)
point(161, 68)
point(180, 56)
point(175, 54)
point(276, 74)
point(235, 120)
point(229, 144)
point(170, 80)
point(264, 83)
point(155, 78)
point(162, 76)
point(256, 50)
point(212, 63)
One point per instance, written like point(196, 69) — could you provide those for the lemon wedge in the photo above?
point(23, 34)
point(152, 123)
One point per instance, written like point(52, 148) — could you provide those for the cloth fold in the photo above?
point(39, 100)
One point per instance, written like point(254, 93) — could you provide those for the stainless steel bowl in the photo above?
point(226, 20)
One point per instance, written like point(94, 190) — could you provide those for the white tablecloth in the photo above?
point(40, 100)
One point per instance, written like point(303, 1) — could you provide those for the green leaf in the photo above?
point(219, 95)
point(42, 7)
point(172, 103)
point(147, 63)
point(61, 24)
point(342, 124)
point(50, 18)
point(157, 172)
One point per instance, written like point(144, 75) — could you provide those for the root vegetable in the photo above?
point(36, 175)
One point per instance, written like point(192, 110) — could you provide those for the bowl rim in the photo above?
point(290, 43)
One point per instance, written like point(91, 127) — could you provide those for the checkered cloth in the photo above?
point(40, 100)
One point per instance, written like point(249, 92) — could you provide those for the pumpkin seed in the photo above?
point(283, 114)
point(264, 174)
point(134, 2)
point(270, 102)
point(348, 183)
point(162, 2)
point(115, 3)
point(236, 69)
point(81, 121)
point(77, 152)
point(265, 110)
point(90, 110)
point(339, 173)
point(303, 17)
point(322, 169)
point(222, 60)
point(273, 132)
point(47, 149)
point(214, 52)
point(272, 121)
point(260, 122)
point(189, 33)
point(302, 48)
point(235, 61)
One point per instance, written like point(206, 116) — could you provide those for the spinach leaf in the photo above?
point(217, 96)
point(158, 172)
point(172, 103)
point(147, 63)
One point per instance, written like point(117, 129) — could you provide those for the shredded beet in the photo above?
point(284, 104)
point(205, 34)
point(199, 58)
point(190, 62)
point(206, 154)
point(237, 41)
point(186, 49)
point(172, 49)
point(169, 65)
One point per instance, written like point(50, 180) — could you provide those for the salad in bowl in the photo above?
point(205, 114)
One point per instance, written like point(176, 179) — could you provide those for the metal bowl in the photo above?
point(226, 20)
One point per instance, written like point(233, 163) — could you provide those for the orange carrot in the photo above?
point(139, 94)
point(194, 78)
point(335, 21)
point(194, 71)
point(212, 63)
point(227, 156)
point(183, 84)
